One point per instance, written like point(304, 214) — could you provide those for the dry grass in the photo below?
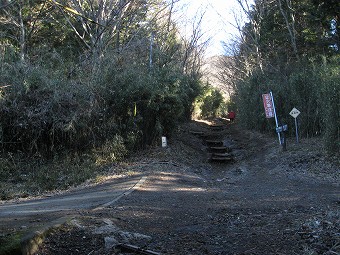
point(22, 176)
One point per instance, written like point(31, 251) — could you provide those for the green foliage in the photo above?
point(248, 101)
point(292, 49)
point(312, 90)
point(10, 243)
point(111, 151)
point(209, 103)
point(70, 91)
point(45, 112)
point(8, 168)
point(329, 102)
point(144, 105)
point(41, 112)
point(23, 175)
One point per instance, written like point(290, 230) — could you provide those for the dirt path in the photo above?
point(249, 207)
point(256, 205)
point(36, 213)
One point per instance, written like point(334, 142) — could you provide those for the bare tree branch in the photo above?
point(290, 26)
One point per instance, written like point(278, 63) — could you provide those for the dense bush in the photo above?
point(292, 49)
point(209, 103)
point(67, 84)
point(314, 90)
point(41, 112)
point(45, 111)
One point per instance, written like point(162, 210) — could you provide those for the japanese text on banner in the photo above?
point(268, 105)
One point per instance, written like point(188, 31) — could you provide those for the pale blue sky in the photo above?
point(218, 16)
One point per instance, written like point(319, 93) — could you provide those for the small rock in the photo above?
point(110, 242)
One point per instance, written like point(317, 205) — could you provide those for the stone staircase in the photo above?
point(215, 146)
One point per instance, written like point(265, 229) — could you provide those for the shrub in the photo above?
point(45, 110)
point(314, 90)
point(111, 151)
point(208, 104)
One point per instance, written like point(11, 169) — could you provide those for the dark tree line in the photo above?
point(292, 48)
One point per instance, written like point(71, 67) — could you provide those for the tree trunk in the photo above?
point(22, 39)
point(290, 27)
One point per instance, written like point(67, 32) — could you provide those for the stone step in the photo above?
point(217, 127)
point(199, 133)
point(206, 135)
point(214, 142)
point(221, 159)
point(221, 155)
point(219, 149)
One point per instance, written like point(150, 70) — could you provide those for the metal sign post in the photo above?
point(269, 107)
point(276, 121)
point(295, 113)
point(296, 131)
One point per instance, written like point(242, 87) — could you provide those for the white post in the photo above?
point(164, 142)
point(276, 121)
point(296, 131)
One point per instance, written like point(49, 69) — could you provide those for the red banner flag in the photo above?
point(268, 105)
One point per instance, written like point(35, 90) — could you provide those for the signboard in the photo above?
point(268, 105)
point(164, 143)
point(294, 112)
point(282, 128)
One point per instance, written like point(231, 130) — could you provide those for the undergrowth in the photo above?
point(10, 244)
point(23, 176)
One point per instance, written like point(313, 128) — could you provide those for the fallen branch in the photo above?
point(136, 249)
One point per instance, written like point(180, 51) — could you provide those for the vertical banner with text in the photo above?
point(268, 105)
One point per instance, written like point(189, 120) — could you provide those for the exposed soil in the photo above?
point(267, 201)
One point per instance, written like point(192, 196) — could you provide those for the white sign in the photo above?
point(164, 143)
point(294, 113)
